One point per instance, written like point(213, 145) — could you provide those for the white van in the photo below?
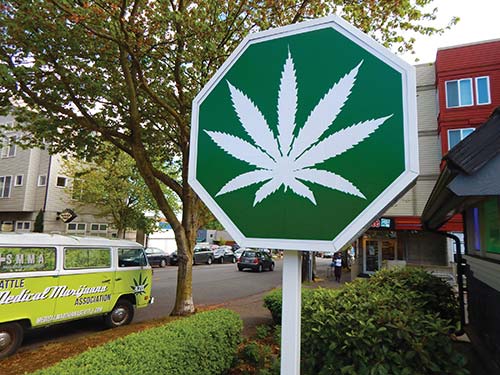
point(47, 279)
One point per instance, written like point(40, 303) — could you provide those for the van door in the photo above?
point(28, 275)
point(133, 276)
point(86, 283)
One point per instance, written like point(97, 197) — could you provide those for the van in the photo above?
point(47, 279)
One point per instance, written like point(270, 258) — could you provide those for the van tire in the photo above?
point(121, 315)
point(11, 337)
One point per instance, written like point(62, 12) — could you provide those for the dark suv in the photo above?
point(256, 261)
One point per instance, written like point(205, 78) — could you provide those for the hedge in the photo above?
point(205, 343)
point(382, 325)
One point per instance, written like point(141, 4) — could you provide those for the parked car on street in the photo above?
point(157, 257)
point(239, 251)
point(173, 260)
point(255, 260)
point(224, 254)
point(203, 254)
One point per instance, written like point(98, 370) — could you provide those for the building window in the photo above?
point(19, 180)
point(23, 226)
point(76, 227)
point(5, 184)
point(9, 148)
point(61, 181)
point(483, 90)
point(459, 93)
point(456, 135)
point(42, 180)
point(99, 227)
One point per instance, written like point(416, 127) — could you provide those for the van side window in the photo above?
point(131, 258)
point(27, 259)
point(77, 258)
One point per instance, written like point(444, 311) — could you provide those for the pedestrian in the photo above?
point(337, 261)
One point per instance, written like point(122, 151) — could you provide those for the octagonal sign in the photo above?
point(304, 135)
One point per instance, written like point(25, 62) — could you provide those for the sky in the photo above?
point(479, 20)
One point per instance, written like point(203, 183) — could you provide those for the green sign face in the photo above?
point(304, 136)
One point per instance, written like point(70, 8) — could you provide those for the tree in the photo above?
point(112, 183)
point(38, 227)
point(82, 73)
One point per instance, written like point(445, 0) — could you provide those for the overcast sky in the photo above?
point(479, 20)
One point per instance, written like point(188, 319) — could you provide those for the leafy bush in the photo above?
point(205, 343)
point(397, 322)
point(367, 331)
point(262, 331)
point(433, 294)
point(273, 302)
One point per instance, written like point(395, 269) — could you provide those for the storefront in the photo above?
point(384, 246)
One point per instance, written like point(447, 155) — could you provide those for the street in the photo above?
point(212, 284)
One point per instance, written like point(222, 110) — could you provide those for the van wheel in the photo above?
point(11, 337)
point(163, 263)
point(122, 314)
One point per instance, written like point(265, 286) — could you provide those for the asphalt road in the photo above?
point(212, 284)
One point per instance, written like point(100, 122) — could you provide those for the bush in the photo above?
point(205, 343)
point(397, 322)
point(367, 331)
point(273, 302)
point(433, 294)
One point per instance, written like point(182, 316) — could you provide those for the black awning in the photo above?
point(471, 173)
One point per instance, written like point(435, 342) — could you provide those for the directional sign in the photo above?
point(304, 136)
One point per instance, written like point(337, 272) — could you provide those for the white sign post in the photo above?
point(290, 317)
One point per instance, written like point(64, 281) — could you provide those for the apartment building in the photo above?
point(455, 95)
point(31, 181)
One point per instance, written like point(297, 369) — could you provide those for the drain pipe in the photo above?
point(460, 278)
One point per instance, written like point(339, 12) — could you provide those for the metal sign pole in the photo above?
point(290, 318)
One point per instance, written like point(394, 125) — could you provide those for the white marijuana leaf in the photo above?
point(287, 160)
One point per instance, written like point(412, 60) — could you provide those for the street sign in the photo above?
point(304, 136)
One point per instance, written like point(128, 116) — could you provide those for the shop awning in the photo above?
point(471, 173)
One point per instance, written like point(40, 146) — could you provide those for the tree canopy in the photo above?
point(80, 74)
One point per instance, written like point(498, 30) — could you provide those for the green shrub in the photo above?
point(273, 302)
point(433, 294)
point(363, 330)
point(396, 322)
point(262, 331)
point(205, 343)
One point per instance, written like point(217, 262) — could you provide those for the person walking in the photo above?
point(337, 261)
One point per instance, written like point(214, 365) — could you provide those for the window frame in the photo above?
point(9, 148)
point(99, 230)
point(477, 89)
point(461, 136)
point(76, 230)
point(86, 267)
point(460, 105)
point(23, 222)
point(2, 186)
point(22, 180)
point(39, 182)
point(65, 182)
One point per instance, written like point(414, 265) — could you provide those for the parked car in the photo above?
point(173, 260)
point(157, 257)
point(238, 252)
point(203, 254)
point(224, 254)
point(255, 260)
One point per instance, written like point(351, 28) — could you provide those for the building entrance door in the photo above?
point(376, 251)
point(371, 254)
